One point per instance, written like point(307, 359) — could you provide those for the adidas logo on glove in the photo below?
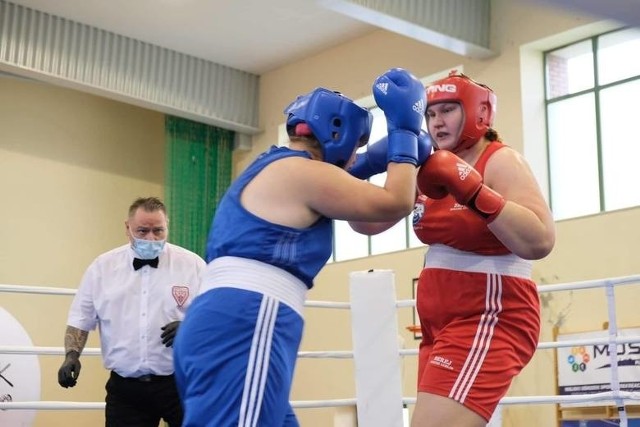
point(463, 171)
point(419, 107)
point(382, 87)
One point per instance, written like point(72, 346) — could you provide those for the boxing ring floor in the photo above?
point(377, 356)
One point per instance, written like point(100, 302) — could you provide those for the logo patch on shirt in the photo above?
point(442, 362)
point(180, 294)
point(418, 211)
point(457, 207)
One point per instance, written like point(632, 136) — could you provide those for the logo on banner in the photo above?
point(578, 359)
point(584, 369)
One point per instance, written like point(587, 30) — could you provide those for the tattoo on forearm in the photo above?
point(75, 339)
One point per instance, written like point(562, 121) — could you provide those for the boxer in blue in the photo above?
point(236, 350)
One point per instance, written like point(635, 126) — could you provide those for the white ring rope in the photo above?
point(327, 304)
point(53, 405)
point(49, 351)
point(339, 354)
point(587, 284)
point(620, 397)
point(406, 303)
point(517, 400)
point(623, 280)
point(59, 351)
point(555, 344)
point(575, 398)
point(44, 290)
point(48, 290)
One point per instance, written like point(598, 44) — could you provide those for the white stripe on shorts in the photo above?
point(482, 339)
point(256, 376)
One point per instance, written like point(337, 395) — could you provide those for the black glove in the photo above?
point(70, 370)
point(169, 333)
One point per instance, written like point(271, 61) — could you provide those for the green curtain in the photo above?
point(197, 173)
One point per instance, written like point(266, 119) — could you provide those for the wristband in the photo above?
point(403, 147)
point(487, 203)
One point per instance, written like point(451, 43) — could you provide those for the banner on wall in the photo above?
point(19, 374)
point(586, 369)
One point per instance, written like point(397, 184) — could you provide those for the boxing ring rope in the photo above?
point(59, 351)
point(64, 406)
point(618, 396)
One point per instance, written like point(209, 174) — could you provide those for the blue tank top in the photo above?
point(237, 232)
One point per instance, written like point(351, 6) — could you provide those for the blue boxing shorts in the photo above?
point(234, 357)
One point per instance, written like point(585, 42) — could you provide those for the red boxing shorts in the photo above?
point(479, 329)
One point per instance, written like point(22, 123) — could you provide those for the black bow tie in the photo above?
point(139, 263)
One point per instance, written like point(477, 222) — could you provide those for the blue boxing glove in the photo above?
point(374, 160)
point(403, 99)
point(371, 162)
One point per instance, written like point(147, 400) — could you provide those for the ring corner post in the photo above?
point(375, 348)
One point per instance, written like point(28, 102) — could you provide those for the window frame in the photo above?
point(596, 90)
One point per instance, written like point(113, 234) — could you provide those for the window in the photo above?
point(591, 88)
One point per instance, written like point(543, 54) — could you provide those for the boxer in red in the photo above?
point(480, 210)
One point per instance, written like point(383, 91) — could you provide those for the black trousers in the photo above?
point(142, 402)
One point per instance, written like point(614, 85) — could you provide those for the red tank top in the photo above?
point(447, 222)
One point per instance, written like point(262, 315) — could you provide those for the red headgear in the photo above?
point(472, 96)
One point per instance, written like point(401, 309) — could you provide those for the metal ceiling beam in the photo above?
point(624, 11)
point(50, 48)
point(459, 26)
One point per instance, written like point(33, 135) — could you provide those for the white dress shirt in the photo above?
point(130, 307)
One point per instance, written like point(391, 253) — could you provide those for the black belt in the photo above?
point(144, 378)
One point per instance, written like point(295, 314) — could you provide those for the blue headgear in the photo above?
point(333, 119)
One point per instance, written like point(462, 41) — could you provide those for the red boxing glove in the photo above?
point(445, 173)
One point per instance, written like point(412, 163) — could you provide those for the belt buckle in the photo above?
point(145, 378)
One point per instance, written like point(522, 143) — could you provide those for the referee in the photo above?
point(137, 295)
